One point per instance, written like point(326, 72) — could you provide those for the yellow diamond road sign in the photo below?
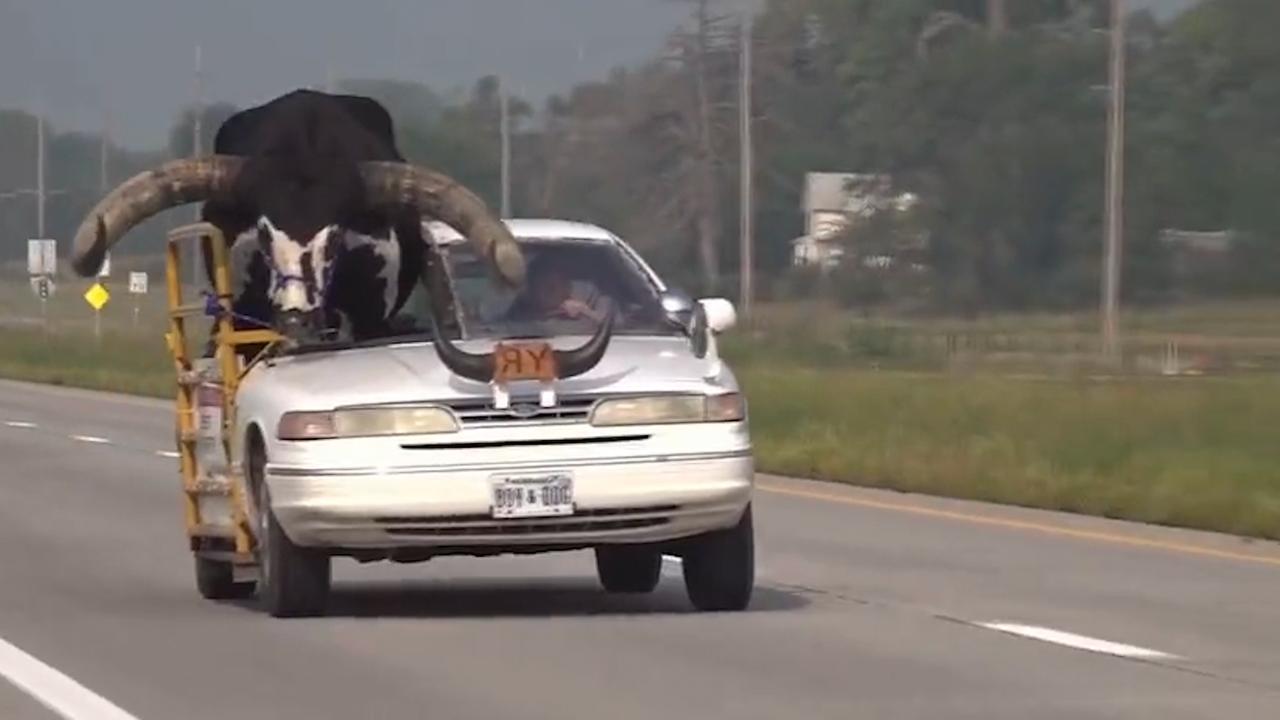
point(97, 296)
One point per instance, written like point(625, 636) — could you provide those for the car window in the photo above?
point(570, 286)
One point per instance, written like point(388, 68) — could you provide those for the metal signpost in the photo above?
point(42, 265)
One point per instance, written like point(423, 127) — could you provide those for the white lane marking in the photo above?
point(167, 453)
point(91, 439)
point(20, 424)
point(56, 691)
point(1079, 642)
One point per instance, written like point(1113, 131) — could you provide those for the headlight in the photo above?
point(366, 422)
point(306, 426)
point(669, 409)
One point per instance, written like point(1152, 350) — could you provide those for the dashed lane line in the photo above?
point(1078, 642)
point(91, 439)
point(20, 424)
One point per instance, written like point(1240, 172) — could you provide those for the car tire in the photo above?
point(628, 569)
point(215, 579)
point(719, 567)
point(293, 580)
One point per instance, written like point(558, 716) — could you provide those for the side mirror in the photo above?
point(721, 314)
point(678, 306)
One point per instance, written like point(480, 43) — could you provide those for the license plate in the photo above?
point(523, 361)
point(532, 496)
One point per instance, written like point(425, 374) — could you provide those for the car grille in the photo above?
point(484, 525)
point(482, 413)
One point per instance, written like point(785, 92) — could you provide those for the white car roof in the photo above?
point(533, 229)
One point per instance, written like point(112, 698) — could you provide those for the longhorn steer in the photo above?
point(317, 183)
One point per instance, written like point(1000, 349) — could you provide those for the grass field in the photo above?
point(1196, 452)
point(1191, 452)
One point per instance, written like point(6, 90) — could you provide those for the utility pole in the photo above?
point(747, 170)
point(104, 159)
point(40, 192)
point(197, 119)
point(40, 188)
point(1115, 188)
point(505, 125)
point(197, 131)
point(997, 17)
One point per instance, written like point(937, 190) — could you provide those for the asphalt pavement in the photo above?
point(869, 604)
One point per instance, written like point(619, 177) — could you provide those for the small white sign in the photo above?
point(42, 257)
point(105, 270)
point(138, 283)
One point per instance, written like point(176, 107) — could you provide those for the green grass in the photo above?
point(1194, 452)
point(124, 362)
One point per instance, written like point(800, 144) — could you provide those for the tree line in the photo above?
point(991, 113)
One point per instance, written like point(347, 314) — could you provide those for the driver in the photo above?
point(549, 295)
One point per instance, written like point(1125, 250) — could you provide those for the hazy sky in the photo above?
point(135, 58)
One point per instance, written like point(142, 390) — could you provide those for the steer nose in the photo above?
point(300, 325)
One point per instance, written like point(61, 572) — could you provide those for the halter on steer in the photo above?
point(280, 279)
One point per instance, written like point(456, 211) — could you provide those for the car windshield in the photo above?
point(570, 285)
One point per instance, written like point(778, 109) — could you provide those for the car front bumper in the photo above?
point(620, 500)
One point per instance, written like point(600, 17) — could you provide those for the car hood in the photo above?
point(413, 372)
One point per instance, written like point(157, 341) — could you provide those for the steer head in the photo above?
point(299, 225)
point(301, 276)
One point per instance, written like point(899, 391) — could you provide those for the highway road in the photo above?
point(869, 605)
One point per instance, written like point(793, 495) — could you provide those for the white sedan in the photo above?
point(589, 411)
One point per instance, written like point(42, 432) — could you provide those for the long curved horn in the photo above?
point(472, 366)
point(440, 196)
point(174, 183)
point(569, 363)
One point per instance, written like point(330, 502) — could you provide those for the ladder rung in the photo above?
point(225, 532)
point(188, 310)
point(253, 337)
point(245, 559)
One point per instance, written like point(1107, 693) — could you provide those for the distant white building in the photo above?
point(834, 201)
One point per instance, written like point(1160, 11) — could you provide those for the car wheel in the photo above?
point(624, 569)
point(215, 580)
point(719, 567)
point(293, 580)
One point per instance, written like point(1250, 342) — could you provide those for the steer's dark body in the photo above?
point(301, 173)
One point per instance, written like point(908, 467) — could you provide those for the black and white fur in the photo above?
point(308, 247)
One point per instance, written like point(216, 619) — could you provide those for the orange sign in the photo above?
point(524, 361)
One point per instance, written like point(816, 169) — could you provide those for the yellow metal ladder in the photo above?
point(209, 538)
